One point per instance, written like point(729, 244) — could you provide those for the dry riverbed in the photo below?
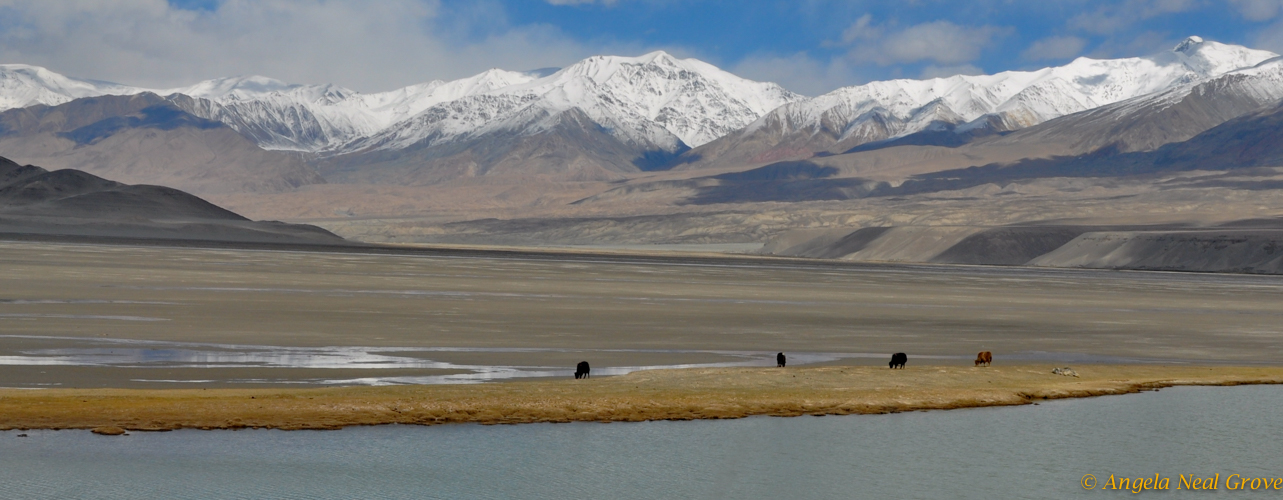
point(648, 395)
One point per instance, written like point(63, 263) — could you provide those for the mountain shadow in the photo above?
point(784, 181)
point(939, 134)
point(159, 117)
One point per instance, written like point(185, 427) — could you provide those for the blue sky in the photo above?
point(862, 40)
point(810, 46)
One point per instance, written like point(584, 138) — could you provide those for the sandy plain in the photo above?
point(96, 326)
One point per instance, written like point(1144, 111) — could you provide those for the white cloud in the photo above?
point(942, 42)
point(1115, 17)
point(1258, 10)
point(933, 71)
point(798, 72)
point(861, 29)
point(1056, 47)
point(1143, 43)
point(368, 46)
point(1271, 38)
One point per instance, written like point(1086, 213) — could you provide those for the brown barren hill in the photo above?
point(648, 395)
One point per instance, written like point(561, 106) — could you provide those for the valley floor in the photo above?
point(161, 337)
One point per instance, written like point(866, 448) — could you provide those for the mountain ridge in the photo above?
point(852, 116)
point(147, 139)
point(645, 113)
point(326, 117)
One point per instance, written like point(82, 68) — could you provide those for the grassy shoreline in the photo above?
point(685, 394)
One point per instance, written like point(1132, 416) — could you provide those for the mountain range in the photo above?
point(850, 117)
point(605, 117)
point(658, 149)
point(633, 111)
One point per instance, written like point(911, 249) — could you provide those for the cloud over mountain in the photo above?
point(941, 42)
point(364, 45)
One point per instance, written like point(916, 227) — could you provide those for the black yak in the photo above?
point(779, 359)
point(898, 360)
point(581, 370)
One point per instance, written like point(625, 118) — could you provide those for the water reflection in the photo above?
point(123, 353)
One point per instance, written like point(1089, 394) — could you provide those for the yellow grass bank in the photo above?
point(648, 395)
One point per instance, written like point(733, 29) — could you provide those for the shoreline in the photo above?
point(679, 394)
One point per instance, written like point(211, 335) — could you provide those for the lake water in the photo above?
point(1030, 451)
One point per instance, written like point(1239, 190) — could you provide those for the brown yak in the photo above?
point(984, 358)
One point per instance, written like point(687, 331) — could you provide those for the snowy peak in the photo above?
point(233, 88)
point(602, 68)
point(659, 57)
point(324, 117)
point(657, 75)
point(1190, 45)
point(654, 102)
point(1210, 59)
point(22, 85)
point(693, 100)
point(1015, 99)
point(261, 88)
point(407, 101)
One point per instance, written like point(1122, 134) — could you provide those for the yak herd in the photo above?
point(984, 358)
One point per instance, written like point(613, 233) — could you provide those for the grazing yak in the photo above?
point(898, 360)
point(984, 358)
point(779, 359)
point(581, 370)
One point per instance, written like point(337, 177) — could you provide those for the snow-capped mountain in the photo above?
point(655, 101)
point(639, 111)
point(22, 85)
point(1149, 121)
point(851, 116)
point(324, 117)
point(597, 119)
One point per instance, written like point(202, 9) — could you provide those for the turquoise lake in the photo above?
point(1040, 451)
